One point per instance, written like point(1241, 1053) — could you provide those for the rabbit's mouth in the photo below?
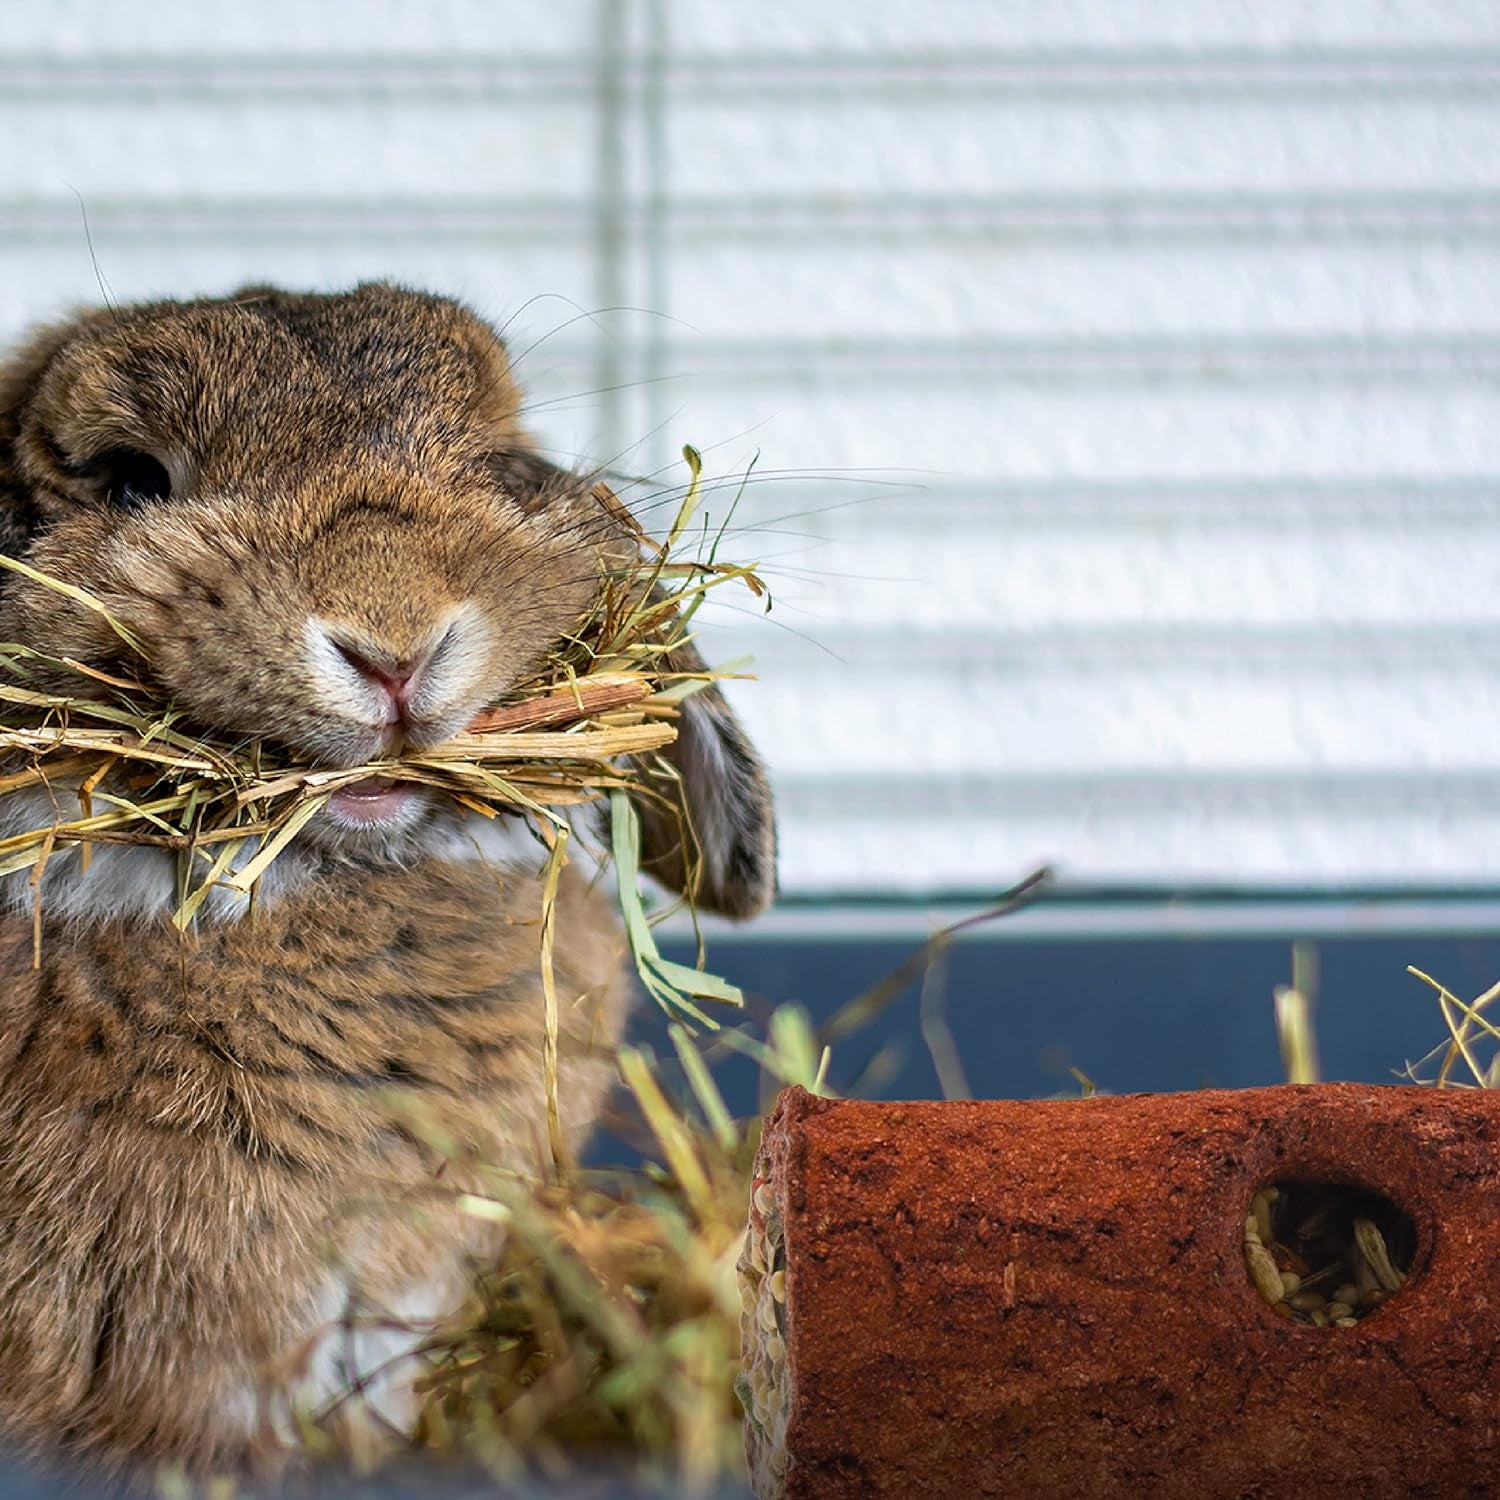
point(375, 802)
point(379, 822)
point(375, 818)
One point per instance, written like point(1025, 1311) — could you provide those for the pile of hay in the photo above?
point(608, 1335)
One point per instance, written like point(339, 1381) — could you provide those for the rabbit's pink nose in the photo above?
point(398, 678)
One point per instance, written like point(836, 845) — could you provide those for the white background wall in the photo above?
point(1126, 377)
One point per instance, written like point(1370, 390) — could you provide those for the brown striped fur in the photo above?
point(195, 1131)
point(185, 1160)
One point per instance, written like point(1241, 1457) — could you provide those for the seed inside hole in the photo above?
point(1327, 1254)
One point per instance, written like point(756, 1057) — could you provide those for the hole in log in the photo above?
point(1326, 1254)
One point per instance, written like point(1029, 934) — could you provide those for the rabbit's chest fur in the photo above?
point(205, 1141)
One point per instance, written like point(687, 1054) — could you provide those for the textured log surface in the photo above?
point(1050, 1298)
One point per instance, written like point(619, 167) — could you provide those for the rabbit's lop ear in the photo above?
point(708, 828)
point(712, 835)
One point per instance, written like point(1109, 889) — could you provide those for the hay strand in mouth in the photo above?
point(602, 694)
point(585, 726)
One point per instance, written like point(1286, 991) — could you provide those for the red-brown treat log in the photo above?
point(1054, 1298)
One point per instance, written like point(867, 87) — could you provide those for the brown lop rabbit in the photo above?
point(324, 520)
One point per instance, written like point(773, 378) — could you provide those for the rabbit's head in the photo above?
point(323, 520)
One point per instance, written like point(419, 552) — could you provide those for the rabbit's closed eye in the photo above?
point(127, 479)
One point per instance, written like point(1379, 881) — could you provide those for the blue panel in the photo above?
point(1138, 1014)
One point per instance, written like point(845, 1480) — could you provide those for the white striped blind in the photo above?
point(1126, 377)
